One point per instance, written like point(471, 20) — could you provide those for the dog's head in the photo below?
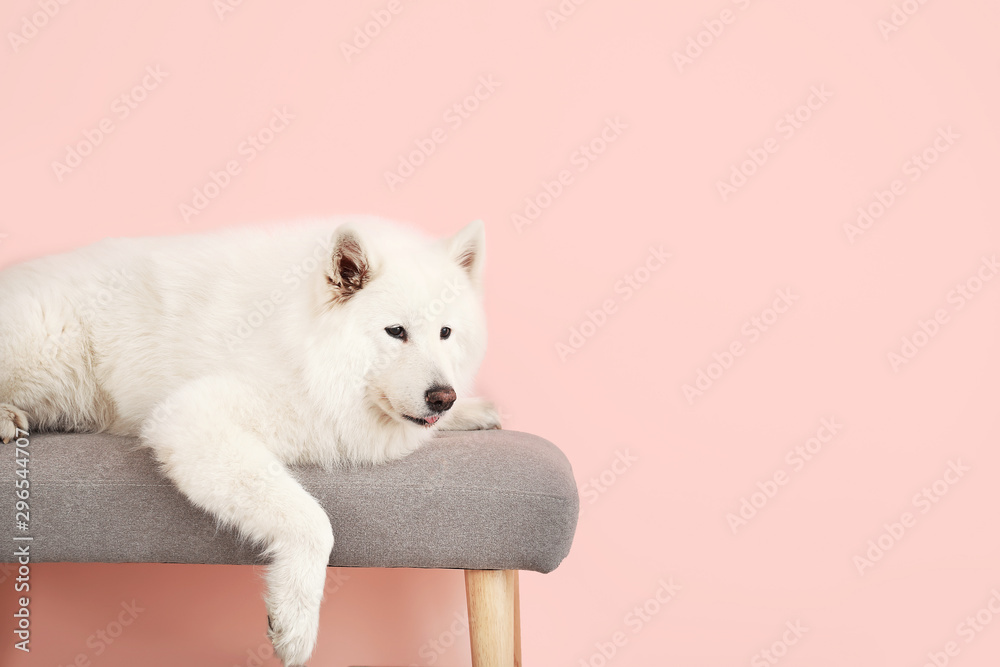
point(408, 310)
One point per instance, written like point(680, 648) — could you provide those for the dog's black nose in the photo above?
point(440, 398)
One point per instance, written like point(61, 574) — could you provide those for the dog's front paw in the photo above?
point(472, 414)
point(11, 420)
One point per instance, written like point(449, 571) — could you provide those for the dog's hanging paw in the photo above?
point(292, 645)
point(11, 420)
point(472, 414)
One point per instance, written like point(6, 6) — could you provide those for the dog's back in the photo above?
point(93, 338)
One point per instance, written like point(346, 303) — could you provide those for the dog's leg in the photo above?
point(471, 414)
point(210, 439)
point(11, 420)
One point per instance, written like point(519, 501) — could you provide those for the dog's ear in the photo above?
point(468, 250)
point(349, 269)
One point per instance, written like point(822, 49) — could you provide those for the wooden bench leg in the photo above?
point(494, 617)
point(517, 619)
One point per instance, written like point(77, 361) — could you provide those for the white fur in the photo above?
point(236, 353)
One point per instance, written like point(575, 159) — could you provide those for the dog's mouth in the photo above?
point(429, 421)
point(384, 404)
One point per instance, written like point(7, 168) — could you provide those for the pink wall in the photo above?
point(880, 98)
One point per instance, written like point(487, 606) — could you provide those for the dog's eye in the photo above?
point(396, 332)
point(445, 333)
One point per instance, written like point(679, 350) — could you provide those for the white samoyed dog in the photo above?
point(235, 353)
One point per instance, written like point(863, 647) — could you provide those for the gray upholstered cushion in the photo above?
point(468, 500)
